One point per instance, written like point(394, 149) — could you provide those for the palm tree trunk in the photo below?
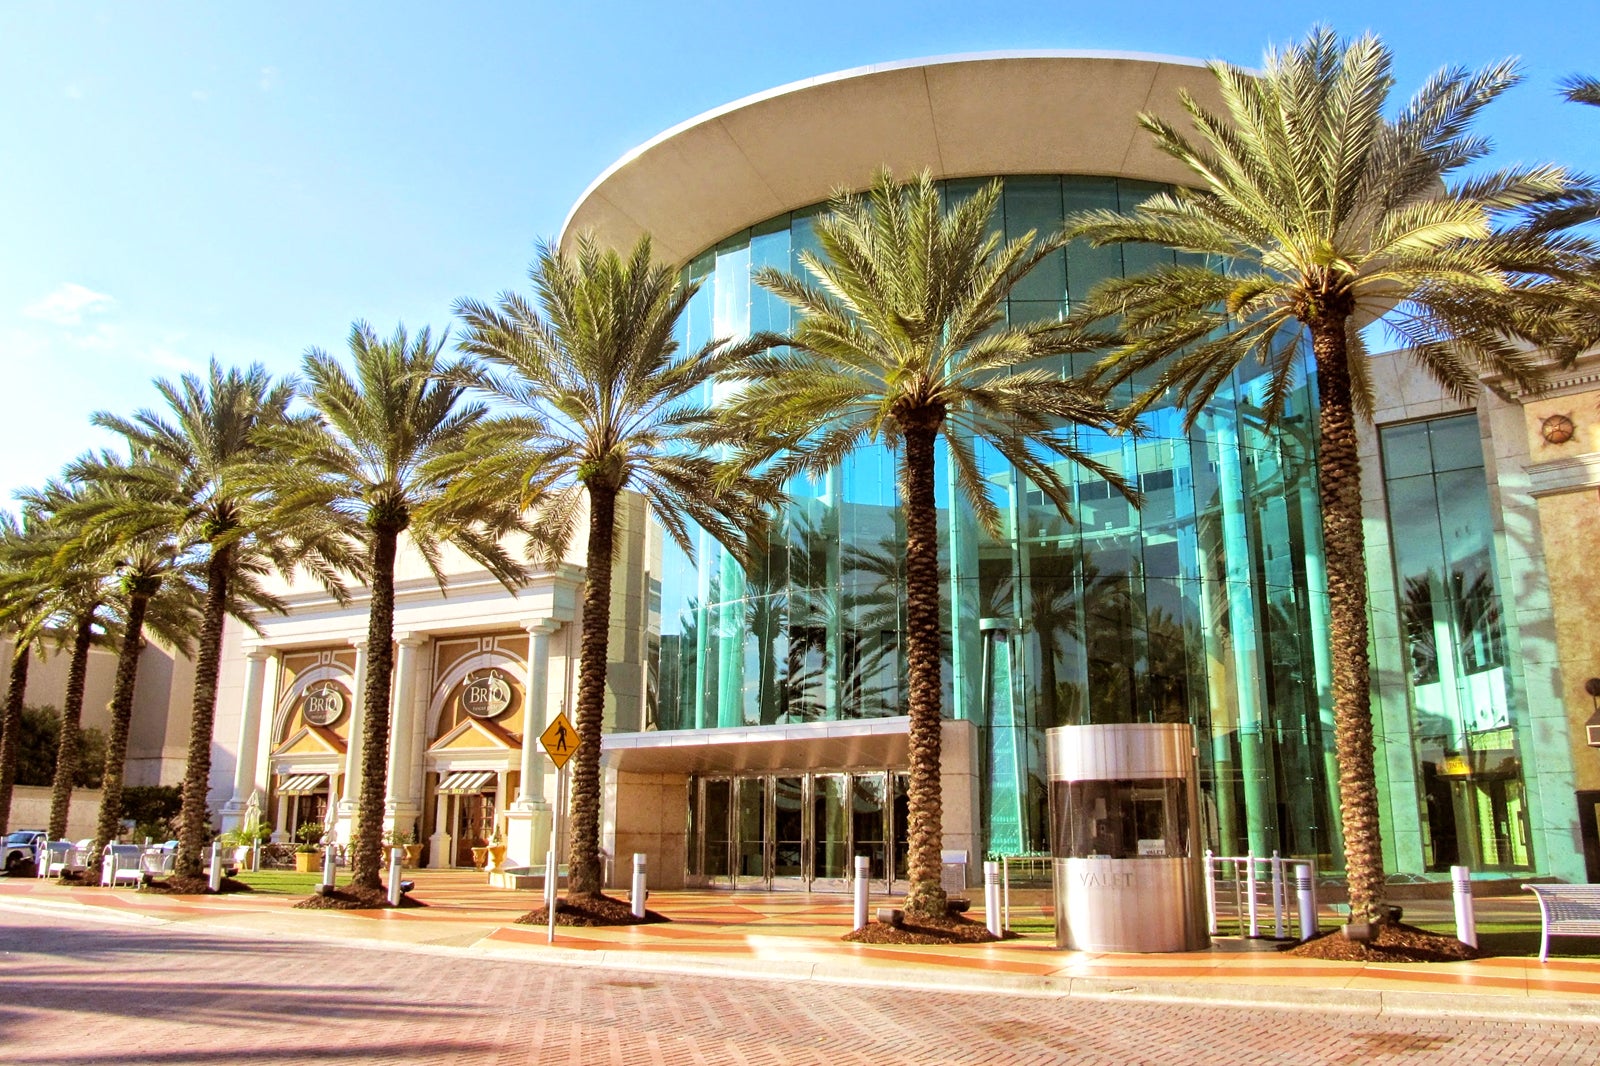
point(195, 819)
point(1339, 484)
point(68, 746)
point(110, 822)
point(925, 897)
point(595, 640)
point(11, 730)
point(367, 842)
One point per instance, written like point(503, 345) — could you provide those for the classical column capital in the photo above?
point(258, 653)
point(546, 626)
point(358, 643)
point(411, 640)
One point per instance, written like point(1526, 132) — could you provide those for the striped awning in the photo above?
point(302, 784)
point(462, 782)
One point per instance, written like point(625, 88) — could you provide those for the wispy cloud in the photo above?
point(269, 79)
point(200, 95)
point(68, 304)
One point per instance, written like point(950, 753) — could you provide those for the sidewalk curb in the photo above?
point(797, 967)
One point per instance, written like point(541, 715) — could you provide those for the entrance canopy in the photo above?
point(464, 782)
point(811, 746)
point(303, 784)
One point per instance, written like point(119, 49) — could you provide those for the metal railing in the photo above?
point(1030, 868)
point(1246, 892)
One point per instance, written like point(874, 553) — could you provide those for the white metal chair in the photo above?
point(57, 856)
point(121, 865)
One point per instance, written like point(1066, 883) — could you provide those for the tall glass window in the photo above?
point(1463, 706)
point(1196, 608)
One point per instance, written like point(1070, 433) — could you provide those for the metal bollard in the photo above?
point(394, 876)
point(327, 867)
point(639, 890)
point(1277, 897)
point(1306, 889)
point(216, 867)
point(1211, 892)
point(551, 888)
point(1250, 888)
point(991, 897)
point(863, 870)
point(255, 857)
point(1466, 918)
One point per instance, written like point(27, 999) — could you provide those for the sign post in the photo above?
point(560, 742)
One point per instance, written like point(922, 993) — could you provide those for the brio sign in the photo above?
point(487, 696)
point(322, 706)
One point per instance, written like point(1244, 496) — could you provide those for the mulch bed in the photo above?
point(951, 929)
point(591, 911)
point(355, 899)
point(78, 879)
point(1394, 942)
point(194, 886)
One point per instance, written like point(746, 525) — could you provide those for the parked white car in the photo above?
point(21, 847)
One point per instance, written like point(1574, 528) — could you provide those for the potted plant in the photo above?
point(407, 843)
point(496, 850)
point(243, 839)
point(308, 853)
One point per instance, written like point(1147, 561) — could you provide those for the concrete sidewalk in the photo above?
point(795, 937)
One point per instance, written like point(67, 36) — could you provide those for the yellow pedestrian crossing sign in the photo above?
point(560, 740)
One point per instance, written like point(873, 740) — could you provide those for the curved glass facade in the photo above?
point(1205, 606)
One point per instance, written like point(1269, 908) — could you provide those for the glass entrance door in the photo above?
point(830, 829)
point(798, 831)
point(750, 834)
point(788, 833)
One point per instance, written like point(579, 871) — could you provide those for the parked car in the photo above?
point(21, 847)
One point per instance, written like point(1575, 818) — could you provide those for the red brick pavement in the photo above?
point(74, 993)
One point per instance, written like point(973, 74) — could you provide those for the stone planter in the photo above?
point(479, 857)
point(413, 855)
point(307, 862)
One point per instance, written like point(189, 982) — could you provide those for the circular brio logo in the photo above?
point(322, 706)
point(487, 696)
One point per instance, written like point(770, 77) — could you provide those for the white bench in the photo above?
point(1566, 910)
point(120, 865)
point(56, 857)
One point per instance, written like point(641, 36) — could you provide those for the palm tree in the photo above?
point(20, 616)
point(1312, 213)
point(363, 459)
point(196, 480)
point(73, 591)
point(900, 337)
point(155, 587)
point(601, 401)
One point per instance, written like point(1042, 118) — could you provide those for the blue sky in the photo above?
point(181, 180)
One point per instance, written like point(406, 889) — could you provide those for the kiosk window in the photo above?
point(1120, 819)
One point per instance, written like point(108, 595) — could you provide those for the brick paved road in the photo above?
point(75, 993)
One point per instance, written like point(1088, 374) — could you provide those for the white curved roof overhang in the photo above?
point(959, 116)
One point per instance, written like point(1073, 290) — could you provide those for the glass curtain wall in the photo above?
point(1464, 707)
point(1205, 606)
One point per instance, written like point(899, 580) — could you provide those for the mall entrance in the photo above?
point(797, 831)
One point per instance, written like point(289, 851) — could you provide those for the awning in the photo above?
point(302, 784)
point(463, 782)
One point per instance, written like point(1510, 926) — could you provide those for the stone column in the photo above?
point(401, 805)
point(439, 844)
point(350, 800)
point(244, 771)
point(528, 819)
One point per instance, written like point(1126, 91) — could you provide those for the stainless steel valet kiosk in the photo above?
point(1124, 823)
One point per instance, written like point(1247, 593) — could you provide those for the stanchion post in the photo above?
point(1305, 888)
point(327, 867)
point(1250, 892)
point(551, 874)
point(394, 876)
point(991, 897)
point(1466, 919)
point(637, 897)
point(862, 889)
point(215, 879)
point(1277, 896)
point(1211, 892)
